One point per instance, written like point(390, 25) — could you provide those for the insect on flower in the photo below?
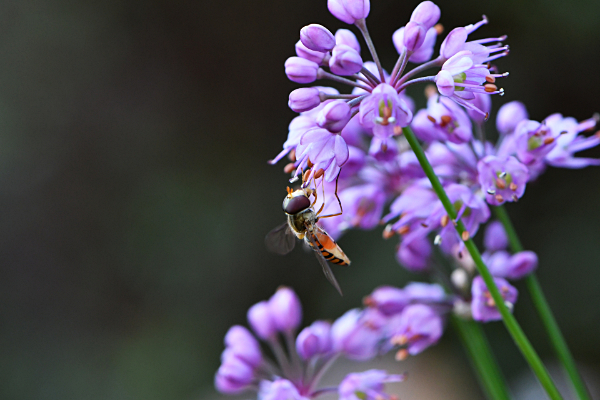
point(302, 223)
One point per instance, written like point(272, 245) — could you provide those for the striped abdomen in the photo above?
point(328, 247)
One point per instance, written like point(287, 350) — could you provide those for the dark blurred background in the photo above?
point(135, 192)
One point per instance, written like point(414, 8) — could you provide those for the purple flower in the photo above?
point(301, 70)
point(414, 36)
point(483, 306)
point(390, 300)
point(509, 116)
point(517, 266)
point(442, 120)
point(414, 253)
point(426, 13)
point(314, 340)
point(311, 55)
point(345, 60)
point(533, 141)
point(334, 116)
point(346, 37)
point(354, 338)
point(261, 321)
point(243, 345)
point(317, 38)
point(383, 110)
point(418, 328)
point(233, 376)
point(297, 128)
point(569, 142)
point(424, 52)
point(368, 385)
point(495, 238)
point(325, 150)
point(502, 179)
point(349, 11)
point(482, 102)
point(304, 99)
point(280, 389)
point(286, 311)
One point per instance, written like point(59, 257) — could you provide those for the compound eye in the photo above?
point(296, 204)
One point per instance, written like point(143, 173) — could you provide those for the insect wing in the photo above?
point(326, 268)
point(280, 240)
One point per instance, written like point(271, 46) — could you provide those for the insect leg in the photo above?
point(336, 196)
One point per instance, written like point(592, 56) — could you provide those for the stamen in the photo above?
point(490, 79)
point(446, 119)
point(465, 235)
point(548, 140)
point(509, 305)
point(513, 186)
point(319, 173)
point(397, 130)
point(500, 183)
point(401, 355)
point(444, 220)
point(437, 240)
point(515, 198)
point(403, 230)
point(388, 232)
point(439, 29)
point(489, 87)
point(499, 198)
point(491, 191)
point(502, 174)
point(429, 117)
point(424, 225)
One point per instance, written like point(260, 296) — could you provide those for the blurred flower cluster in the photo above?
point(352, 145)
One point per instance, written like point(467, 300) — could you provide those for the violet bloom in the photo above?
point(354, 338)
point(456, 41)
point(325, 150)
point(383, 110)
point(502, 179)
point(314, 340)
point(483, 306)
point(414, 253)
point(390, 300)
point(517, 266)
point(443, 120)
point(509, 116)
point(494, 237)
point(368, 385)
point(286, 311)
point(533, 141)
point(570, 142)
point(280, 389)
point(419, 327)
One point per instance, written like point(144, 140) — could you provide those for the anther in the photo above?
point(499, 198)
point(424, 225)
point(429, 117)
point(446, 119)
point(491, 191)
point(403, 230)
point(597, 134)
point(548, 140)
point(388, 232)
point(292, 155)
point(319, 173)
point(500, 183)
point(439, 29)
point(490, 87)
point(402, 354)
point(515, 198)
point(397, 130)
point(444, 220)
point(369, 302)
point(306, 175)
point(437, 240)
point(490, 79)
point(501, 91)
point(513, 186)
point(309, 163)
point(289, 168)
point(465, 235)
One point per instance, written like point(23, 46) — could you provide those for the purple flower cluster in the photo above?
point(356, 139)
point(301, 360)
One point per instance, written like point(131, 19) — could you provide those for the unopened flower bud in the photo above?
point(301, 70)
point(308, 54)
point(345, 60)
point(259, 318)
point(349, 10)
point(334, 116)
point(314, 340)
point(509, 116)
point(495, 238)
point(286, 310)
point(304, 99)
point(243, 345)
point(445, 83)
point(317, 37)
point(426, 13)
point(521, 264)
point(233, 376)
point(414, 36)
point(347, 37)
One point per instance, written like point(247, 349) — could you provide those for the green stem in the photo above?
point(488, 373)
point(509, 320)
point(541, 304)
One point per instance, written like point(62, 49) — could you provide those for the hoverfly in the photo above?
point(302, 223)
